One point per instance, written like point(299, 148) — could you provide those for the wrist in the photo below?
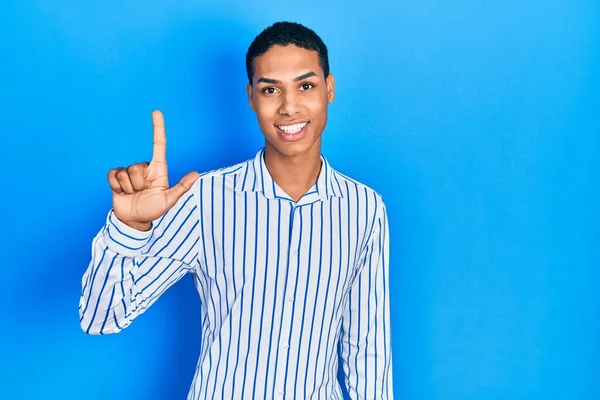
point(140, 226)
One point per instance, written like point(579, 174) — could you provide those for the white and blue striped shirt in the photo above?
point(288, 290)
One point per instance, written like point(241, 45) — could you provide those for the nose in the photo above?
point(289, 103)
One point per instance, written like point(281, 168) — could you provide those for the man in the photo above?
point(289, 256)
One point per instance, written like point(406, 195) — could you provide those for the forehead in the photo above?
point(286, 62)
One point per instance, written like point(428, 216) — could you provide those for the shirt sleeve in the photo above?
point(130, 269)
point(365, 343)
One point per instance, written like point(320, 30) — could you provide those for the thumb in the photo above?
point(174, 194)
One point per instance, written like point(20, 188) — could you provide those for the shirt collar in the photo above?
point(254, 176)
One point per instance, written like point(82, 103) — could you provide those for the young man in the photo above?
point(289, 257)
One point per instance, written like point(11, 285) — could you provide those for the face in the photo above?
point(290, 95)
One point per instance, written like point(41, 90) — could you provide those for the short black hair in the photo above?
point(285, 33)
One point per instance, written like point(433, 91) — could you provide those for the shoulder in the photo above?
point(359, 192)
point(220, 174)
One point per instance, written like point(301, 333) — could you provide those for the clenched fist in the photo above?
point(141, 192)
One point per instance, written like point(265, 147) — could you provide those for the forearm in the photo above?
point(109, 280)
point(366, 353)
point(130, 269)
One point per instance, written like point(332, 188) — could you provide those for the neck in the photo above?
point(294, 174)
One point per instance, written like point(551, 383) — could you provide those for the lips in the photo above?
point(292, 132)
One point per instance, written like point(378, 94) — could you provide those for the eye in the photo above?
point(269, 90)
point(306, 86)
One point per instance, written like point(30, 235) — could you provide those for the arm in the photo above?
point(365, 343)
point(130, 269)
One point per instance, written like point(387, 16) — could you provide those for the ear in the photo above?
point(330, 83)
point(250, 96)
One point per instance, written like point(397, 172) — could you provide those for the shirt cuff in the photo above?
point(123, 239)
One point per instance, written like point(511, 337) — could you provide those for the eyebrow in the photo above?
point(296, 79)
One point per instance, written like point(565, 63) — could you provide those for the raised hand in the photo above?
point(141, 192)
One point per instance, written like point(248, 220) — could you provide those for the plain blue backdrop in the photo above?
point(478, 121)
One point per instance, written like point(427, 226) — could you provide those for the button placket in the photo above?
point(292, 259)
point(292, 264)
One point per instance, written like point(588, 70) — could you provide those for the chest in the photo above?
point(249, 239)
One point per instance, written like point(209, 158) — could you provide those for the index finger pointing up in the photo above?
point(159, 152)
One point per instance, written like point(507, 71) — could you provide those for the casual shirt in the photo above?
point(288, 289)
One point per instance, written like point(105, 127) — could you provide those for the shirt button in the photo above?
point(291, 299)
point(281, 393)
point(286, 346)
point(295, 252)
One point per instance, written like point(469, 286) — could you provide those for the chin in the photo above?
point(297, 148)
point(289, 149)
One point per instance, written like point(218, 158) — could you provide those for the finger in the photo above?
point(137, 174)
point(159, 152)
point(113, 182)
point(185, 184)
point(124, 181)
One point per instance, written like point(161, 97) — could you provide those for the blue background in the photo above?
point(479, 122)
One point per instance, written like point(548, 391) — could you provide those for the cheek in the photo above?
point(318, 108)
point(266, 110)
point(265, 117)
point(317, 102)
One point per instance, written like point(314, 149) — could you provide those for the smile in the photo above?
point(292, 129)
point(291, 133)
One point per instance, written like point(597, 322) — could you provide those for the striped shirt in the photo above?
point(288, 289)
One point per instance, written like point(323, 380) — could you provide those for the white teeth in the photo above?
point(292, 128)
